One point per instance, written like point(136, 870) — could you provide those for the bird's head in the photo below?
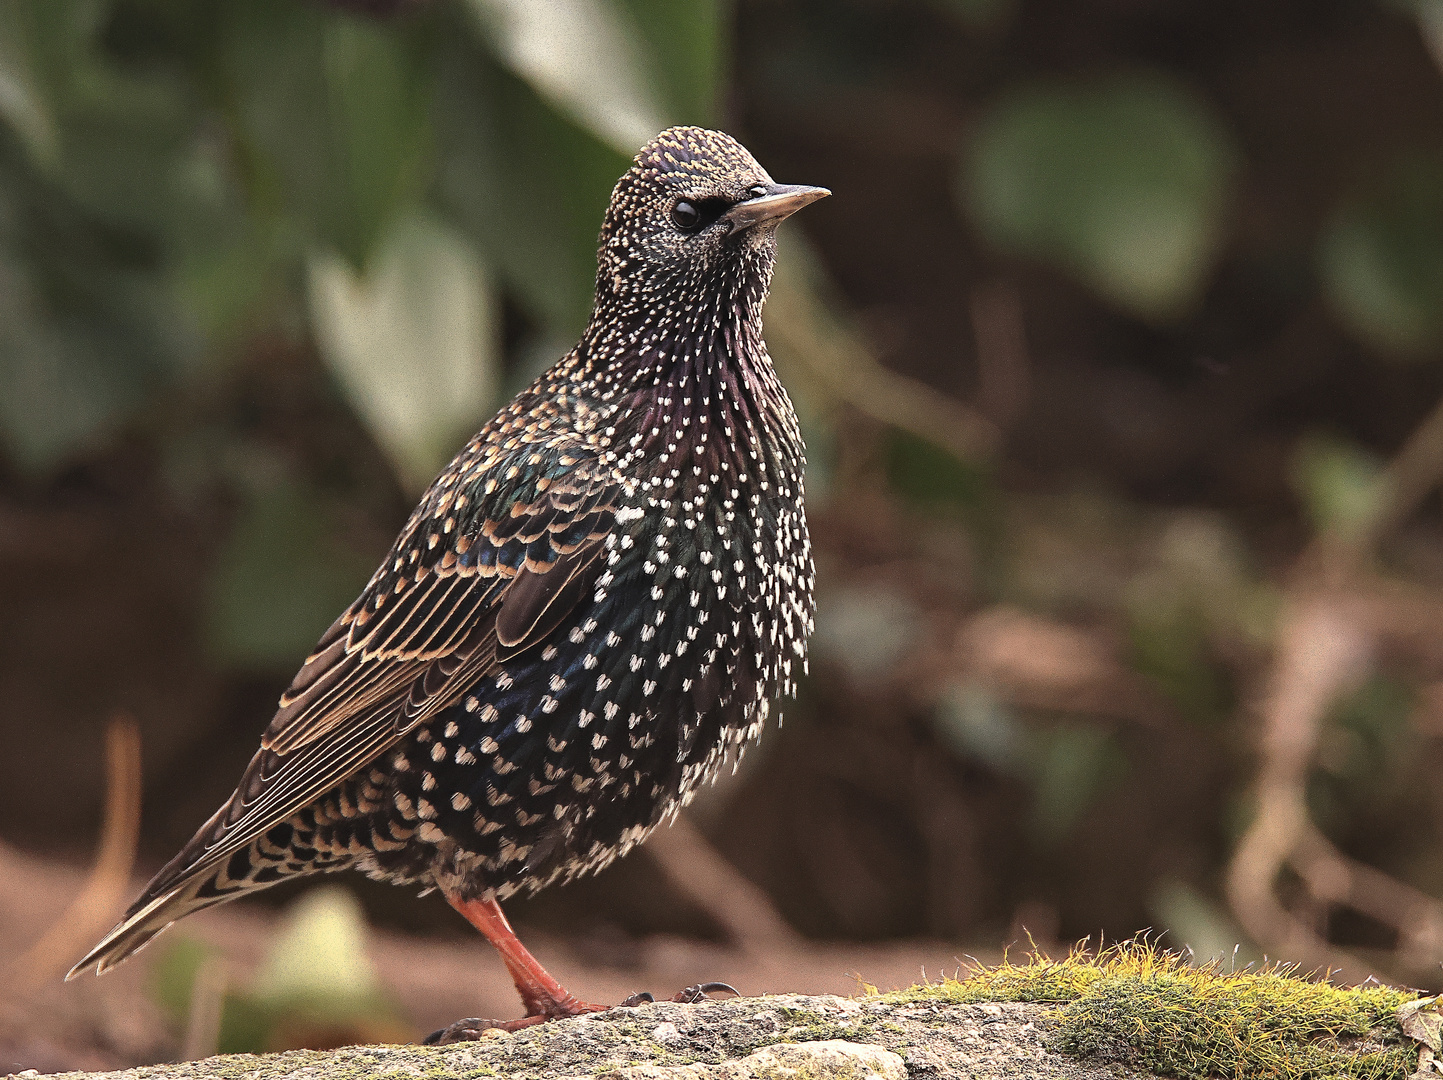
point(691, 228)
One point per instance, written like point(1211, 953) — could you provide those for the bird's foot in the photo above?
point(474, 1028)
point(690, 996)
point(703, 991)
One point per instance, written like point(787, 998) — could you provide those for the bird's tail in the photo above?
point(181, 887)
point(146, 918)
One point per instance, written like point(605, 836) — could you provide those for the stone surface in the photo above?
point(771, 1038)
point(832, 1059)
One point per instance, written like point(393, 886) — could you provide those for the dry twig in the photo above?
point(1321, 652)
point(203, 1017)
point(93, 910)
point(702, 873)
point(1325, 644)
point(801, 328)
point(1004, 369)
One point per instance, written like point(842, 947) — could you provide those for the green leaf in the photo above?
point(273, 80)
point(62, 384)
point(1168, 647)
point(133, 154)
point(380, 114)
point(1072, 766)
point(1124, 182)
point(317, 961)
point(1199, 924)
point(931, 477)
point(528, 183)
point(283, 576)
point(172, 976)
point(228, 268)
point(88, 329)
point(414, 343)
point(1374, 735)
point(114, 129)
point(1338, 482)
point(1382, 261)
point(331, 115)
point(587, 57)
point(1066, 765)
point(686, 44)
point(23, 104)
point(973, 723)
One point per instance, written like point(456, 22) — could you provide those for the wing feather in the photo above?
point(467, 583)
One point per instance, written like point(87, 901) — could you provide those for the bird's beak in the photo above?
point(781, 200)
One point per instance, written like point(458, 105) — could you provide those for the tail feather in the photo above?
point(183, 886)
point(150, 915)
point(201, 876)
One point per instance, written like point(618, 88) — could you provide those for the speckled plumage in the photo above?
point(591, 609)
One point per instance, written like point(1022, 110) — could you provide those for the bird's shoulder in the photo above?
point(498, 542)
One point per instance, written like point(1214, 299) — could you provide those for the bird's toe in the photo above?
point(703, 991)
point(473, 1028)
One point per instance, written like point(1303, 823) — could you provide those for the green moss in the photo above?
point(1139, 1006)
point(812, 1071)
point(803, 1025)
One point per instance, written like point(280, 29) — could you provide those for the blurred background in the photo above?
point(1118, 354)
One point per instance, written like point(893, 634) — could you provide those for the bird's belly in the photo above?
point(570, 753)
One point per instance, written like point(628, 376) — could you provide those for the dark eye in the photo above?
point(694, 215)
point(756, 191)
point(685, 215)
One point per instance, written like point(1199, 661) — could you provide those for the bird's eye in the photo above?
point(694, 215)
point(756, 191)
point(685, 215)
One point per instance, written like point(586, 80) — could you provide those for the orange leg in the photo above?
point(543, 997)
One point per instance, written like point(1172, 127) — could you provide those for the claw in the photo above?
point(470, 1030)
point(693, 994)
point(457, 1032)
point(712, 987)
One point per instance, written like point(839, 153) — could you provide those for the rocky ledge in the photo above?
point(770, 1038)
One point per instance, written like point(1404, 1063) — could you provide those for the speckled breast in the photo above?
point(569, 753)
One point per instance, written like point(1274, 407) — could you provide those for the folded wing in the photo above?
point(494, 559)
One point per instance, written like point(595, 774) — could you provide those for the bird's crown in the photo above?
point(684, 157)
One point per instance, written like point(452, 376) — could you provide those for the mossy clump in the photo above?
point(1136, 1005)
point(804, 1025)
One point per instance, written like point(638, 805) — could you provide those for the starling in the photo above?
point(593, 607)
